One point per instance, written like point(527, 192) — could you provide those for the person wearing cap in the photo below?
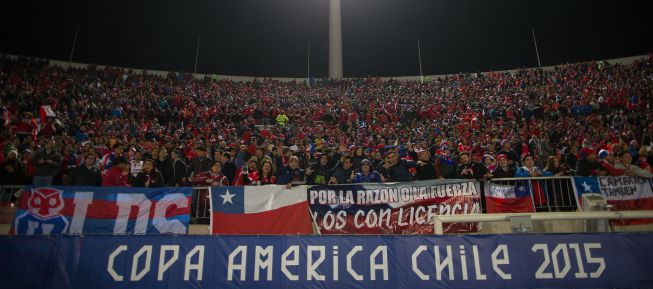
point(117, 175)
point(46, 165)
point(503, 169)
point(607, 160)
point(366, 174)
point(290, 174)
point(149, 176)
point(446, 163)
point(588, 165)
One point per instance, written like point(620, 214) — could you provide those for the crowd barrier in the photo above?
point(547, 194)
point(559, 194)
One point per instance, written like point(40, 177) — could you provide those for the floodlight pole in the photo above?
point(197, 52)
point(537, 52)
point(335, 40)
point(308, 64)
point(419, 56)
point(72, 50)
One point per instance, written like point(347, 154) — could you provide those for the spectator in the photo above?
point(228, 165)
point(250, 173)
point(267, 173)
point(394, 169)
point(149, 177)
point(164, 165)
point(447, 164)
point(555, 167)
point(503, 170)
point(344, 172)
point(136, 164)
point(625, 163)
point(212, 177)
point(320, 173)
point(468, 169)
point(86, 174)
point(529, 170)
point(200, 163)
point(366, 174)
point(588, 165)
point(12, 172)
point(425, 168)
point(46, 165)
point(607, 161)
point(179, 173)
point(290, 174)
point(117, 175)
point(108, 160)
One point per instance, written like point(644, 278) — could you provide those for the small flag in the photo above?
point(509, 198)
point(45, 112)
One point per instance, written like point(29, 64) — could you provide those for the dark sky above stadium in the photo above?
point(269, 37)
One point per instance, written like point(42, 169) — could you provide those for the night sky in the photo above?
point(269, 37)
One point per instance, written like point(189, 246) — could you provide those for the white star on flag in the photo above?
point(586, 187)
point(226, 198)
point(521, 188)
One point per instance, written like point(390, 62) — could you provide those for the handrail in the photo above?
point(547, 216)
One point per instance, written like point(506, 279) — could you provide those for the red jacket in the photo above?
point(114, 177)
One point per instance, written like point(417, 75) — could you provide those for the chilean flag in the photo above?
point(260, 210)
point(45, 112)
point(622, 193)
point(509, 199)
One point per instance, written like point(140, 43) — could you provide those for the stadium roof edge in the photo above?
point(66, 64)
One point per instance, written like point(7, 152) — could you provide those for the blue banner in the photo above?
point(102, 210)
point(404, 262)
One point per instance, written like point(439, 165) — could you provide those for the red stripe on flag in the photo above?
point(293, 219)
point(632, 205)
point(103, 209)
point(516, 205)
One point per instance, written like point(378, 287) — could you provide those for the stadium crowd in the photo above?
point(118, 127)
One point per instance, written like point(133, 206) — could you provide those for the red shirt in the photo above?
point(113, 177)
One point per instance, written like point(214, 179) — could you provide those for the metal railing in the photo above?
point(10, 195)
point(550, 194)
point(439, 220)
point(200, 206)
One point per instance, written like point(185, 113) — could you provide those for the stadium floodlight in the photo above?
point(335, 40)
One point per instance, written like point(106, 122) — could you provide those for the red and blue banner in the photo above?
point(622, 193)
point(509, 198)
point(102, 210)
point(614, 260)
point(393, 208)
